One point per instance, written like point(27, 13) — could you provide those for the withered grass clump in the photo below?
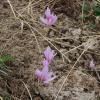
point(71, 8)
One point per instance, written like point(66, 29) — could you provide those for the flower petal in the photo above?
point(47, 12)
point(92, 64)
point(38, 73)
point(50, 79)
point(54, 19)
point(44, 20)
point(45, 63)
point(45, 66)
point(47, 52)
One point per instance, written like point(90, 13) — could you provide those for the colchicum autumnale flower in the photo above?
point(92, 64)
point(49, 54)
point(49, 18)
point(44, 75)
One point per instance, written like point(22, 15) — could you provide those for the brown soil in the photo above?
point(82, 83)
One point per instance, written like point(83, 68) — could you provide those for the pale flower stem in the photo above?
point(38, 82)
point(66, 78)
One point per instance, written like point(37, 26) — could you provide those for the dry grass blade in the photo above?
point(97, 74)
point(66, 78)
point(1, 98)
point(74, 48)
point(30, 3)
point(83, 12)
point(35, 39)
point(27, 90)
point(22, 24)
point(11, 8)
point(49, 42)
point(3, 72)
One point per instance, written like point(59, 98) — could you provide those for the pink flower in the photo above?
point(49, 54)
point(44, 75)
point(92, 64)
point(49, 18)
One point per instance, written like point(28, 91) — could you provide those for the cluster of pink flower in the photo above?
point(92, 64)
point(45, 75)
point(49, 18)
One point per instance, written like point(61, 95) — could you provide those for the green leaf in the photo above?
point(6, 58)
point(84, 17)
point(7, 97)
point(91, 26)
point(96, 10)
point(86, 8)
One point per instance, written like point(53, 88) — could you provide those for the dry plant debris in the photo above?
point(24, 37)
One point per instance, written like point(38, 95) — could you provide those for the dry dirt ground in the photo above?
point(23, 37)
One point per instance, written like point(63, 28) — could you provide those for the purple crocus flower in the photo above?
point(49, 54)
point(49, 18)
point(44, 75)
